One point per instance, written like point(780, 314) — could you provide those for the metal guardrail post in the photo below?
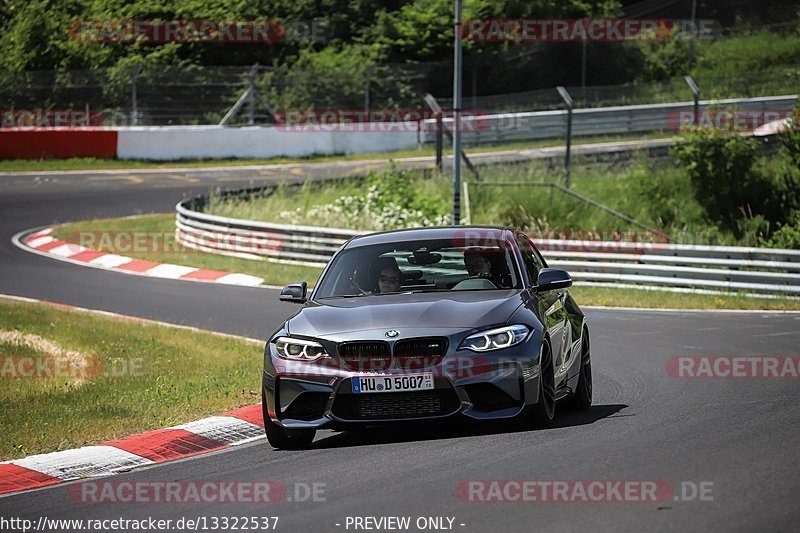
point(436, 108)
point(696, 96)
point(134, 107)
point(562, 91)
point(439, 140)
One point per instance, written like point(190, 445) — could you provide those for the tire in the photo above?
point(541, 414)
point(582, 397)
point(281, 438)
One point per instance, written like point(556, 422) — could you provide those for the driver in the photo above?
point(389, 275)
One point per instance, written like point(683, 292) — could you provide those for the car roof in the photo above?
point(468, 233)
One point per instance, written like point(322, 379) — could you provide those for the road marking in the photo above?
point(124, 177)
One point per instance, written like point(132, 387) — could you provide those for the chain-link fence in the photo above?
point(169, 96)
point(153, 95)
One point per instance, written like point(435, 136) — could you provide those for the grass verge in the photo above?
point(142, 377)
point(91, 163)
point(617, 297)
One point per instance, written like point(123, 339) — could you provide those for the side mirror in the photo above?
point(551, 279)
point(294, 292)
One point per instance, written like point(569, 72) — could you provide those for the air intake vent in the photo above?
point(387, 406)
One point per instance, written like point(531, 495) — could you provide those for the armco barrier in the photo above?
point(618, 120)
point(727, 268)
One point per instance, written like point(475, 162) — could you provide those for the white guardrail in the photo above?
point(716, 268)
point(480, 128)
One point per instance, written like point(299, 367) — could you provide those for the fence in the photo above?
point(160, 95)
point(673, 266)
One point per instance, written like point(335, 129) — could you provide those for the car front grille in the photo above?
point(416, 354)
point(409, 354)
point(394, 405)
point(365, 356)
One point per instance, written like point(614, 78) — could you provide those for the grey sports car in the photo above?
point(426, 323)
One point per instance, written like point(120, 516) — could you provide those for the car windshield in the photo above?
point(418, 266)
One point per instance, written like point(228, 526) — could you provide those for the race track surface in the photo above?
point(740, 435)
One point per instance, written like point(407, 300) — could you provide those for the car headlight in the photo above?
point(496, 339)
point(299, 349)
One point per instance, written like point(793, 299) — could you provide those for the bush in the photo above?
point(790, 141)
point(726, 181)
point(391, 202)
point(787, 236)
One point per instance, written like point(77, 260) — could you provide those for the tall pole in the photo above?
point(694, 33)
point(583, 62)
point(562, 91)
point(134, 104)
point(367, 80)
point(457, 118)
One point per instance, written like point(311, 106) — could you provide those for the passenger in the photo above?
point(389, 276)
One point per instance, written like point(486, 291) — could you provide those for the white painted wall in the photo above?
point(188, 142)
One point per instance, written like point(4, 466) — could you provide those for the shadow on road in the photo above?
point(397, 433)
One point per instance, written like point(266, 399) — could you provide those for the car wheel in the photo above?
point(582, 398)
point(285, 439)
point(544, 410)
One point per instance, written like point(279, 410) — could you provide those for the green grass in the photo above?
point(91, 163)
point(753, 64)
point(617, 297)
point(660, 197)
point(153, 376)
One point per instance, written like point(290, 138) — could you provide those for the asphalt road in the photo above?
point(739, 435)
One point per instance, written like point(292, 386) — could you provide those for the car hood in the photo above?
point(463, 310)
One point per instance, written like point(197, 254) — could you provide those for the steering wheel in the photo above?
point(357, 287)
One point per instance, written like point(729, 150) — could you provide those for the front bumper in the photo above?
point(494, 385)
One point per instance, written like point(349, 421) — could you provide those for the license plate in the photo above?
point(409, 382)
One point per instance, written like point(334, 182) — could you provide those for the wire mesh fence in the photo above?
point(158, 95)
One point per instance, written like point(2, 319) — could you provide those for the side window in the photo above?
point(533, 262)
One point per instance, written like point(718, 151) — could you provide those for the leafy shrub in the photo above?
point(790, 141)
point(721, 168)
point(787, 236)
point(390, 202)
